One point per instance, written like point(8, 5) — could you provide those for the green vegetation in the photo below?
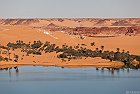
point(68, 52)
point(92, 44)
point(83, 44)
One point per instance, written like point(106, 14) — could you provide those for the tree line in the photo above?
point(68, 52)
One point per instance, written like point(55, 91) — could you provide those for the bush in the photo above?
point(62, 55)
point(138, 58)
point(92, 44)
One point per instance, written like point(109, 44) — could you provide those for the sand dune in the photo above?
point(31, 30)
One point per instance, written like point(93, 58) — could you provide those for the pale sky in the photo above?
point(69, 8)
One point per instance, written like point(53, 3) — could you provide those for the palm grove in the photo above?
point(66, 52)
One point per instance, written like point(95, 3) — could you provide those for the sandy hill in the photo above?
point(69, 31)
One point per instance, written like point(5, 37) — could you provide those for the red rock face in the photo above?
point(18, 21)
point(99, 30)
point(127, 26)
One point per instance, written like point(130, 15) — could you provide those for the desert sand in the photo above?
point(35, 30)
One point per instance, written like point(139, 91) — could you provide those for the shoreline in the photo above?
point(65, 65)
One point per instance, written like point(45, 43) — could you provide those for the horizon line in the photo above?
point(70, 18)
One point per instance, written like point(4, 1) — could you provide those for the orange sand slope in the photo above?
point(27, 33)
point(12, 30)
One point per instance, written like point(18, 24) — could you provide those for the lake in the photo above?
point(57, 80)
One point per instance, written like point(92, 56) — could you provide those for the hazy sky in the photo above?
point(69, 8)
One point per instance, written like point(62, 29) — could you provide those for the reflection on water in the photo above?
point(54, 80)
point(70, 73)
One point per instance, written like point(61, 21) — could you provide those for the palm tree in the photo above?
point(34, 42)
point(76, 47)
point(16, 57)
point(93, 44)
point(102, 47)
point(118, 49)
point(17, 42)
point(123, 51)
point(21, 42)
point(97, 49)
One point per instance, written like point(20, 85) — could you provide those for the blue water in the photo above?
point(56, 80)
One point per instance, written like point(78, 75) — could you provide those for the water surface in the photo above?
point(56, 80)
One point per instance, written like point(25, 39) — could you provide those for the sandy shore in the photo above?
point(90, 62)
point(99, 65)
